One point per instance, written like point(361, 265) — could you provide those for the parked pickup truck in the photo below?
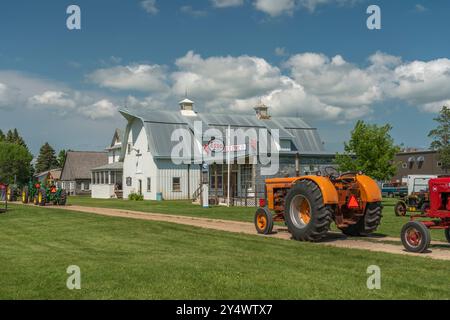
point(394, 190)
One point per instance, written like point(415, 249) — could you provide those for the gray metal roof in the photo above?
point(78, 164)
point(110, 166)
point(161, 124)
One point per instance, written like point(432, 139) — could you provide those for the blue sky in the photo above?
point(310, 58)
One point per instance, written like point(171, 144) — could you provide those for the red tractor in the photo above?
point(415, 234)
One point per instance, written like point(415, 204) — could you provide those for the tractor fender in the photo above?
point(329, 193)
point(370, 191)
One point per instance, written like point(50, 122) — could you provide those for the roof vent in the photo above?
point(186, 104)
point(262, 111)
point(187, 108)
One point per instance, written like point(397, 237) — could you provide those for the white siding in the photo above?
point(138, 168)
point(167, 170)
point(102, 191)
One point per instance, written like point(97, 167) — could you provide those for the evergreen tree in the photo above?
point(46, 159)
point(61, 158)
point(18, 139)
point(2, 136)
point(441, 137)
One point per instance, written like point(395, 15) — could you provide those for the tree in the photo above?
point(371, 150)
point(61, 158)
point(2, 136)
point(441, 137)
point(46, 159)
point(12, 136)
point(14, 163)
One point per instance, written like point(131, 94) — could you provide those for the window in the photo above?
point(439, 164)
point(102, 177)
point(149, 184)
point(176, 184)
point(129, 148)
point(86, 186)
point(113, 177)
point(404, 165)
point(129, 181)
point(219, 182)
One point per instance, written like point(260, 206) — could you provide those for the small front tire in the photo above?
point(263, 221)
point(415, 237)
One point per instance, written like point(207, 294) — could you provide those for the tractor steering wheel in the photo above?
point(331, 172)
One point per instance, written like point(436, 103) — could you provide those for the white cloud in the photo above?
point(57, 99)
point(420, 8)
point(102, 109)
point(281, 52)
point(422, 83)
point(140, 77)
point(227, 3)
point(224, 77)
point(275, 7)
point(334, 81)
point(6, 96)
point(193, 12)
point(150, 6)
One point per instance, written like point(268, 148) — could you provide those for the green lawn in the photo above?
point(390, 225)
point(125, 258)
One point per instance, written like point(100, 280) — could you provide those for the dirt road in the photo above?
point(334, 239)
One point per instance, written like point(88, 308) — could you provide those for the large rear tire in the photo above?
point(368, 223)
point(25, 195)
point(447, 234)
point(306, 216)
point(62, 198)
point(263, 221)
point(41, 198)
point(415, 237)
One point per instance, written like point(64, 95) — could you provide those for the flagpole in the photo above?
point(229, 166)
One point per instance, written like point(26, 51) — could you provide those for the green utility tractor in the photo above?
point(41, 195)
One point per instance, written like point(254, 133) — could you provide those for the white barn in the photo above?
point(148, 168)
point(106, 180)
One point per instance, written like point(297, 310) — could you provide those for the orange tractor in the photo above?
point(309, 204)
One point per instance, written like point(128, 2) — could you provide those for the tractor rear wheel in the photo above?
point(447, 234)
point(366, 224)
point(263, 221)
point(10, 194)
point(400, 209)
point(415, 237)
point(41, 197)
point(62, 198)
point(306, 216)
point(25, 196)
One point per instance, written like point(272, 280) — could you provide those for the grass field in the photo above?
point(390, 225)
point(125, 258)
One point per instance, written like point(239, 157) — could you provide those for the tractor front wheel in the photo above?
point(415, 237)
point(306, 215)
point(400, 209)
point(62, 198)
point(263, 221)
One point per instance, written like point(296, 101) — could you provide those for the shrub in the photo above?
point(135, 196)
